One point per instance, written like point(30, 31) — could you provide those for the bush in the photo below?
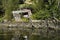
point(25, 19)
point(41, 14)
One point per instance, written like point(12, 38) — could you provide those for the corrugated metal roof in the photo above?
point(21, 11)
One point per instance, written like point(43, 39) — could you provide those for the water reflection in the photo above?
point(29, 34)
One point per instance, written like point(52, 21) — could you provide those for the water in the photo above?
point(35, 34)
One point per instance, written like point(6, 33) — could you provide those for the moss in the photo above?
point(25, 20)
point(1, 20)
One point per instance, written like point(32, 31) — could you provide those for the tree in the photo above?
point(8, 6)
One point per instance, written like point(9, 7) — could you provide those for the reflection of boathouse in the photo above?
point(21, 13)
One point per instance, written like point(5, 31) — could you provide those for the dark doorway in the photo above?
point(21, 1)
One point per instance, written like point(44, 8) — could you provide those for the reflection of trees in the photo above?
point(5, 35)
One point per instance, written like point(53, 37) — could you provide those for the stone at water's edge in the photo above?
point(36, 24)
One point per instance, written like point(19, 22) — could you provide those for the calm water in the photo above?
point(40, 34)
